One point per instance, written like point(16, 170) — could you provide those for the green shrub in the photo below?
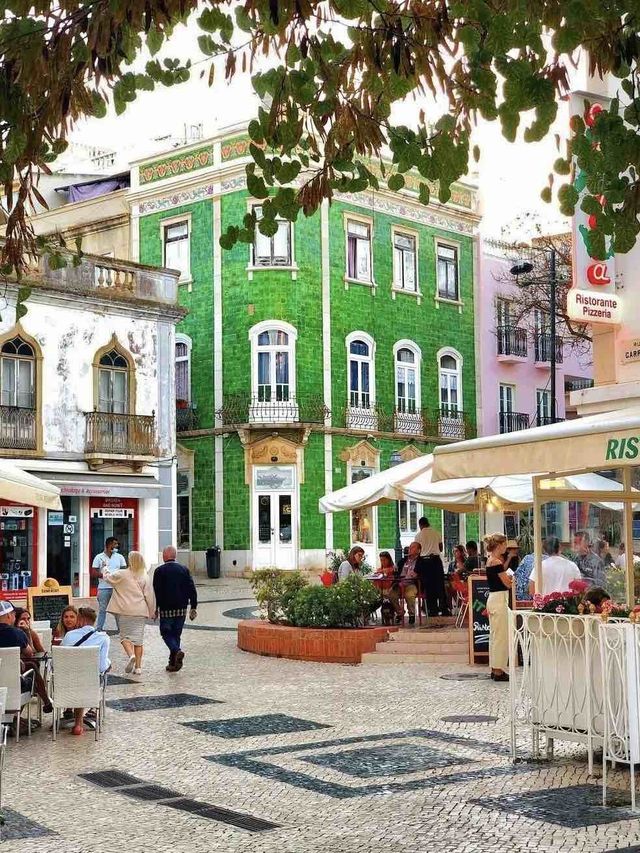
point(274, 589)
point(347, 604)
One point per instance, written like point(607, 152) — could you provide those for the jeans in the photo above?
point(171, 631)
point(104, 597)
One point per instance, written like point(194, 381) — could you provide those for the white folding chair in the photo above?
point(42, 625)
point(76, 682)
point(16, 697)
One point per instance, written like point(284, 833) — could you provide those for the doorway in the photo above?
point(275, 513)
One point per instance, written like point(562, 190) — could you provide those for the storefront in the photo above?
point(18, 549)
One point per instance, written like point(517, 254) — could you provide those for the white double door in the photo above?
point(275, 517)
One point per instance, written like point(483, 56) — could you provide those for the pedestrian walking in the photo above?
point(132, 603)
point(110, 560)
point(175, 593)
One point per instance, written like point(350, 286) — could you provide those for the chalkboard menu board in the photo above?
point(478, 619)
point(48, 603)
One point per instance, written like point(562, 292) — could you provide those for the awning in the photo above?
point(19, 486)
point(104, 485)
point(606, 440)
point(379, 488)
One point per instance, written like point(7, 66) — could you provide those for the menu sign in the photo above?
point(478, 619)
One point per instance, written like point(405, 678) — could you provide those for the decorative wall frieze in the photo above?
point(177, 199)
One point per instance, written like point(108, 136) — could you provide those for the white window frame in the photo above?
point(362, 220)
point(450, 244)
point(370, 548)
point(186, 340)
point(291, 267)
point(267, 410)
point(417, 353)
point(543, 393)
point(459, 368)
point(188, 494)
point(185, 277)
point(396, 286)
point(370, 359)
point(407, 536)
point(513, 398)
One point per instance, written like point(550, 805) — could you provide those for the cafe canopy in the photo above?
point(18, 486)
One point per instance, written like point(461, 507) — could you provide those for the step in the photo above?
point(382, 658)
point(428, 637)
point(444, 649)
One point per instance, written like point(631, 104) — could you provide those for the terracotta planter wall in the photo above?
point(328, 645)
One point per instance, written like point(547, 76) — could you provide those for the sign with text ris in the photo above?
point(592, 298)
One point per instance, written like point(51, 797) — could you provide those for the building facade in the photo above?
point(87, 402)
point(307, 360)
point(514, 357)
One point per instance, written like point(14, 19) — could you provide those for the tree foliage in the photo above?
point(336, 68)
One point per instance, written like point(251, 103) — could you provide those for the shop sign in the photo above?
point(622, 448)
point(592, 298)
point(630, 350)
point(112, 512)
point(56, 519)
point(16, 512)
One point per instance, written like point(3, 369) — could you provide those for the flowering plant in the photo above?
point(572, 603)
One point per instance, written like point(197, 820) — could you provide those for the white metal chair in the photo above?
point(42, 625)
point(76, 682)
point(16, 697)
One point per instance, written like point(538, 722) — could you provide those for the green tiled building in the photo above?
point(308, 359)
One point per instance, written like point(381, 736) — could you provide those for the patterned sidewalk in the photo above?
point(242, 753)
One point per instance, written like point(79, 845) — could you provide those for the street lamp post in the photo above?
point(396, 459)
point(525, 268)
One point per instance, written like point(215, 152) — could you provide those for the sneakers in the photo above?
point(131, 663)
point(137, 670)
point(179, 660)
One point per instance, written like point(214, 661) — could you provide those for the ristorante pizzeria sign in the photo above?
point(592, 299)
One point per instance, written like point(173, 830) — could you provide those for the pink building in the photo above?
point(514, 376)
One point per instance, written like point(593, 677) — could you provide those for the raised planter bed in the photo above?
point(327, 645)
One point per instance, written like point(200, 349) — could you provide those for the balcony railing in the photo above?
point(577, 383)
point(245, 409)
point(543, 349)
point(17, 428)
point(512, 341)
point(125, 435)
point(446, 422)
point(186, 418)
point(513, 421)
point(545, 420)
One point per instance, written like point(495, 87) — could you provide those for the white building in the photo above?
point(87, 401)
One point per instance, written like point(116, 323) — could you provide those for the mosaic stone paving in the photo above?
point(572, 807)
point(265, 724)
point(469, 718)
point(465, 676)
point(385, 760)
point(155, 703)
point(117, 680)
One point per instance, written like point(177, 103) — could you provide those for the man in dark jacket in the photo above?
point(175, 593)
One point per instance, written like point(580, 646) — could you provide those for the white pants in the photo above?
point(498, 610)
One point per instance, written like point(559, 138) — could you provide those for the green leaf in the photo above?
point(256, 187)
point(396, 182)
point(155, 39)
point(546, 195)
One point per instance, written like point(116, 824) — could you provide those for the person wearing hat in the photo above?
point(12, 637)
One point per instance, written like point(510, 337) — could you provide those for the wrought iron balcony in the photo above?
point(543, 349)
point(186, 418)
point(18, 428)
point(512, 342)
point(513, 421)
point(245, 409)
point(120, 435)
point(408, 422)
point(545, 420)
point(450, 423)
point(577, 383)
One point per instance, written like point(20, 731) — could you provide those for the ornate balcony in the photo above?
point(446, 422)
point(512, 343)
point(18, 428)
point(115, 437)
point(543, 349)
point(186, 418)
point(545, 420)
point(513, 421)
point(244, 409)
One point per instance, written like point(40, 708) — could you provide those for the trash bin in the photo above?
point(213, 562)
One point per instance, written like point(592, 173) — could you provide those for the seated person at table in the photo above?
point(459, 556)
point(472, 563)
point(387, 567)
point(351, 563)
point(68, 621)
point(23, 621)
point(557, 572)
point(10, 637)
point(83, 636)
point(409, 569)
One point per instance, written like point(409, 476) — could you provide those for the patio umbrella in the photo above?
point(19, 486)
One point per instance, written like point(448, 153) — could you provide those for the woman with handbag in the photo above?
point(132, 603)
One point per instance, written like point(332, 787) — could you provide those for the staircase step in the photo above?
point(444, 649)
point(429, 637)
point(383, 658)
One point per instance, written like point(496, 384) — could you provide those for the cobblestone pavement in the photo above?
point(299, 758)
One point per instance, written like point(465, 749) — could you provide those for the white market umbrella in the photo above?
point(379, 488)
point(19, 486)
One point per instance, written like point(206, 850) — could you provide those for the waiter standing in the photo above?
point(432, 581)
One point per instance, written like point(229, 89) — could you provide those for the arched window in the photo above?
point(114, 373)
point(273, 373)
point(450, 370)
point(407, 372)
point(17, 374)
point(183, 369)
point(361, 370)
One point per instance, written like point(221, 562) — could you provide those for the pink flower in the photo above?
point(578, 586)
point(560, 609)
